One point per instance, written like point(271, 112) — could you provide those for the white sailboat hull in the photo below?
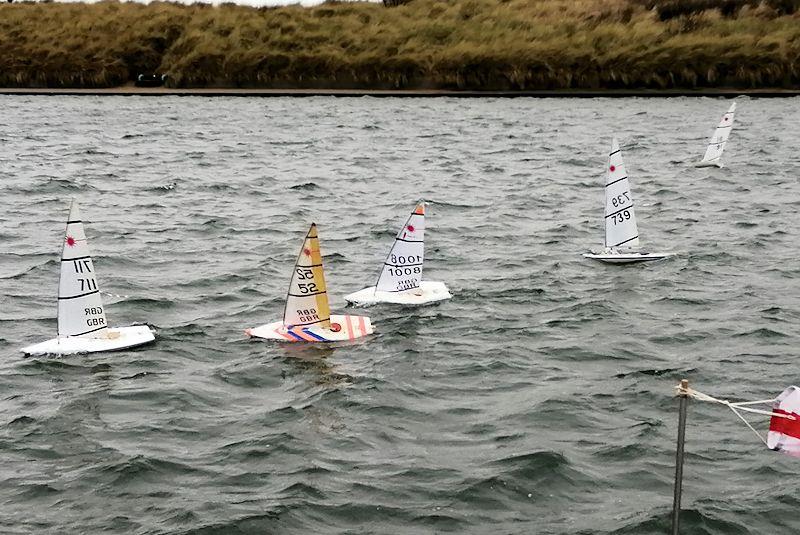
point(349, 328)
point(116, 339)
point(428, 292)
point(709, 164)
point(626, 258)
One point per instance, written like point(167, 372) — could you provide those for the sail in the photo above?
point(307, 302)
point(621, 228)
point(402, 269)
point(784, 433)
point(720, 136)
point(80, 307)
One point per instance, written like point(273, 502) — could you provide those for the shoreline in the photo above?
point(130, 90)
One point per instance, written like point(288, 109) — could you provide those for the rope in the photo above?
point(735, 406)
point(762, 439)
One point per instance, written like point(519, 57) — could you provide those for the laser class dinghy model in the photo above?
point(82, 326)
point(400, 280)
point(307, 316)
point(718, 140)
point(622, 235)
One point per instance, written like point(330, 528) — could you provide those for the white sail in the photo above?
point(402, 269)
point(307, 302)
point(719, 138)
point(80, 307)
point(621, 228)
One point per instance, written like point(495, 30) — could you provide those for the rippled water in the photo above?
point(537, 400)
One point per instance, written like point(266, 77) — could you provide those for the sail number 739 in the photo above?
point(621, 216)
point(620, 199)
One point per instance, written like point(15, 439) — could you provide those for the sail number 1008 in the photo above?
point(408, 260)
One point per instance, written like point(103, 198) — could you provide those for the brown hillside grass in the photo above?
point(467, 44)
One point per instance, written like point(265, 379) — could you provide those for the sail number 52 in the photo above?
point(307, 288)
point(304, 273)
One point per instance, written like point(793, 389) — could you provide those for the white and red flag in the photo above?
point(784, 426)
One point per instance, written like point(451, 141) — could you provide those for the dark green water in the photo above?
point(537, 400)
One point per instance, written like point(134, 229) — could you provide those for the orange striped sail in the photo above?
point(307, 301)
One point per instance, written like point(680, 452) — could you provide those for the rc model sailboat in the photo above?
point(307, 316)
point(622, 235)
point(718, 140)
point(400, 280)
point(82, 326)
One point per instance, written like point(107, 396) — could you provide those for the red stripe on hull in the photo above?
point(289, 337)
point(785, 426)
point(362, 326)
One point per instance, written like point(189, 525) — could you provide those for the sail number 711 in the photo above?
point(82, 266)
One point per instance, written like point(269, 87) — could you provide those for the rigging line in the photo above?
point(759, 402)
point(705, 397)
point(757, 411)
point(735, 404)
point(748, 425)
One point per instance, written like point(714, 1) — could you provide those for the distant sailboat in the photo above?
point(400, 280)
point(718, 140)
point(306, 316)
point(82, 326)
point(622, 234)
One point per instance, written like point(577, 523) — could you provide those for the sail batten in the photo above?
point(307, 298)
point(80, 305)
point(620, 219)
point(402, 269)
point(719, 138)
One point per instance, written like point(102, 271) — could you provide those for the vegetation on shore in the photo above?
point(447, 44)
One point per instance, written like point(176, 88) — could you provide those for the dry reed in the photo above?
point(466, 44)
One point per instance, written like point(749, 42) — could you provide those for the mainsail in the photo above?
point(720, 136)
point(784, 426)
point(620, 220)
point(307, 302)
point(80, 307)
point(402, 269)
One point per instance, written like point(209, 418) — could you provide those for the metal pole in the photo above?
point(676, 501)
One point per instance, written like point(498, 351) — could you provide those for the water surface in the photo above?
point(537, 400)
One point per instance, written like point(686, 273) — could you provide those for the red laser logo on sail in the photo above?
point(70, 241)
point(307, 252)
point(612, 168)
point(411, 228)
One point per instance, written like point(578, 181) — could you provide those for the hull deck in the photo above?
point(428, 292)
point(625, 258)
point(118, 338)
point(344, 328)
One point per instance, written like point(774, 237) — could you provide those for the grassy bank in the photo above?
point(463, 44)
